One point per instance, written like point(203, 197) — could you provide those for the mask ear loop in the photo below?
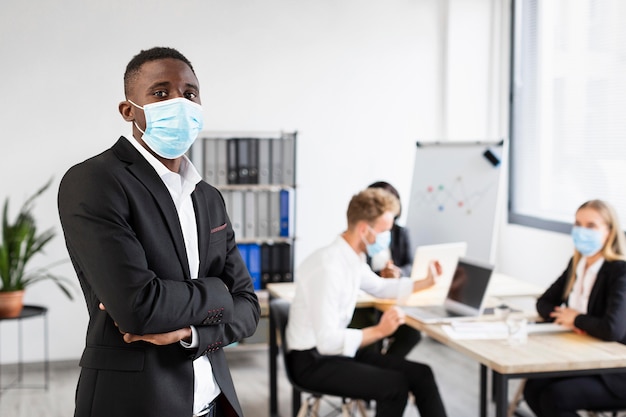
point(364, 237)
point(143, 132)
point(133, 103)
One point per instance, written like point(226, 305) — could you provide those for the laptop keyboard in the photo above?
point(429, 312)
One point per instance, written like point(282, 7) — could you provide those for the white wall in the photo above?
point(361, 81)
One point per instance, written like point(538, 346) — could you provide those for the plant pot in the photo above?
point(11, 303)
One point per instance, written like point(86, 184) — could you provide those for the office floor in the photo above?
point(457, 376)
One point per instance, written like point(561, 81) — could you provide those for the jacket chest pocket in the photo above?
point(214, 256)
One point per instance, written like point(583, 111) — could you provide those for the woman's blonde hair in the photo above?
point(370, 204)
point(615, 246)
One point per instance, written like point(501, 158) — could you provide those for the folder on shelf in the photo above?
point(251, 256)
point(289, 155)
point(250, 214)
point(277, 161)
point(231, 163)
point(274, 213)
point(283, 263)
point(275, 263)
point(253, 161)
point(209, 152)
point(221, 159)
point(236, 212)
point(264, 160)
point(266, 264)
point(254, 264)
point(263, 213)
point(243, 160)
point(285, 212)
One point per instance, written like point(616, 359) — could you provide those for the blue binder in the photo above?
point(284, 213)
point(254, 264)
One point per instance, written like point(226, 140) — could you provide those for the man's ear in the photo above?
point(361, 227)
point(127, 111)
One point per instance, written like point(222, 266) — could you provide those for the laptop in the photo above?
point(465, 298)
point(447, 254)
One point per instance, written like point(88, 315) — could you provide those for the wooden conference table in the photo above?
point(544, 354)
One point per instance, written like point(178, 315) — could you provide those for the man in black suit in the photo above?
point(156, 258)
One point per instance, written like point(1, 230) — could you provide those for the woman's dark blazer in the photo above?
point(606, 311)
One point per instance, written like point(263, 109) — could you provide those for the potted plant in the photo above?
point(19, 244)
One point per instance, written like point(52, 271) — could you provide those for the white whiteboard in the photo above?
point(454, 193)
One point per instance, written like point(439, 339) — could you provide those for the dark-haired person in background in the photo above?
point(392, 262)
point(398, 260)
point(589, 297)
point(155, 254)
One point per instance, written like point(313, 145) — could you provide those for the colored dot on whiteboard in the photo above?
point(440, 208)
point(441, 187)
point(429, 189)
point(460, 203)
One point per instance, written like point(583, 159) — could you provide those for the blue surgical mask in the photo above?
point(171, 126)
point(380, 244)
point(587, 241)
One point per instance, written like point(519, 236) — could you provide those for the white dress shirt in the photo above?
point(327, 286)
point(380, 260)
point(181, 185)
point(585, 280)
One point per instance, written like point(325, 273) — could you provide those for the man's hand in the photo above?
point(434, 271)
point(160, 339)
point(390, 271)
point(390, 321)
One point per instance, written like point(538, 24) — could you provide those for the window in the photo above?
point(568, 109)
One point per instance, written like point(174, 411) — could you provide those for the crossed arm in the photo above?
point(160, 339)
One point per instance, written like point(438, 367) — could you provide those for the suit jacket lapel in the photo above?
point(146, 174)
point(201, 208)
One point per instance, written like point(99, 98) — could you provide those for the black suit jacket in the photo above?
point(125, 241)
point(606, 311)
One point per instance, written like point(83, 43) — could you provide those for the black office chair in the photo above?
point(600, 413)
point(518, 398)
point(279, 314)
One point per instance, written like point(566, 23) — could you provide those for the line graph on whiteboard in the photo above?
point(442, 197)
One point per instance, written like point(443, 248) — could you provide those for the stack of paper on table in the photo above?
point(476, 330)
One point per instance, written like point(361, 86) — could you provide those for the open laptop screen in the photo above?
point(469, 284)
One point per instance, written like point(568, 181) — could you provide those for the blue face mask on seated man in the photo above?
point(172, 126)
point(587, 241)
point(382, 242)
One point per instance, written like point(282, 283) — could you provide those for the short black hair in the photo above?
point(152, 54)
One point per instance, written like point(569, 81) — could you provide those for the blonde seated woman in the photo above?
point(589, 297)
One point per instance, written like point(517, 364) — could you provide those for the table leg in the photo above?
point(483, 391)
point(273, 352)
point(502, 394)
point(20, 359)
point(46, 353)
